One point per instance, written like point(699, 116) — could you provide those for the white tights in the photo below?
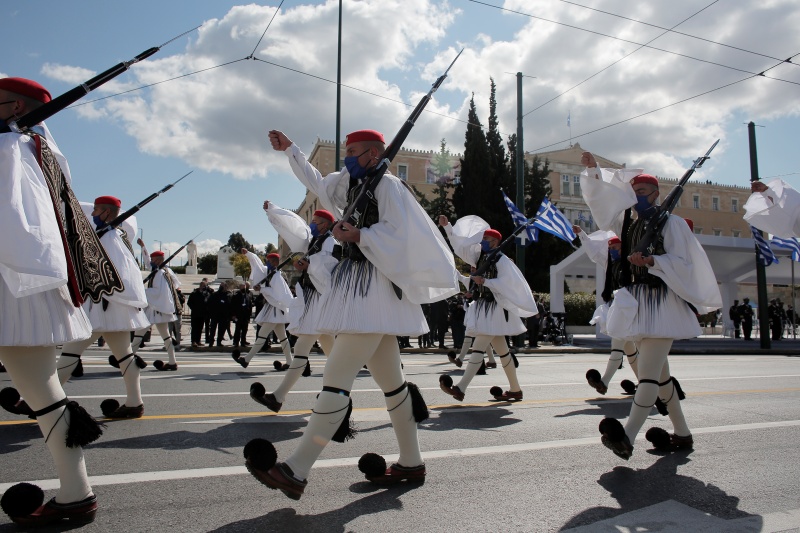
point(166, 336)
point(301, 350)
point(619, 349)
point(479, 346)
point(350, 353)
point(261, 339)
point(33, 371)
point(120, 344)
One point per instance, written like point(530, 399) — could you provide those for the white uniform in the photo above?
point(35, 305)
point(776, 210)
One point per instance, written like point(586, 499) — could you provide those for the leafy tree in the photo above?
point(241, 265)
point(441, 204)
point(207, 263)
point(237, 242)
point(270, 248)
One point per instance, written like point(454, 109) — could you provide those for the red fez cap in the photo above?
point(157, 253)
point(25, 87)
point(614, 240)
point(108, 200)
point(645, 178)
point(364, 135)
point(321, 213)
point(273, 256)
point(690, 223)
point(493, 233)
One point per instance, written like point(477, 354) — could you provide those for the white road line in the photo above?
point(171, 475)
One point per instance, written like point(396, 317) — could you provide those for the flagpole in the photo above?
point(794, 307)
point(520, 171)
point(761, 273)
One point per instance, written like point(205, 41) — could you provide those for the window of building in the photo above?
point(736, 233)
point(717, 233)
point(456, 177)
point(576, 185)
point(735, 205)
point(565, 186)
point(715, 203)
point(698, 231)
point(696, 201)
point(430, 177)
point(402, 172)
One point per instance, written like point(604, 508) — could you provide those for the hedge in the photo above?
point(579, 306)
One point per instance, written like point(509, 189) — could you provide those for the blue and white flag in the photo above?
point(765, 254)
point(551, 220)
point(531, 234)
point(790, 244)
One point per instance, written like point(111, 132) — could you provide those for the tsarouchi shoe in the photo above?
point(396, 474)
point(77, 513)
point(279, 477)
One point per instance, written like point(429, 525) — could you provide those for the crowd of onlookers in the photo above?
point(782, 319)
point(214, 313)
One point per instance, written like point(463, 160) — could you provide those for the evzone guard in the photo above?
point(659, 300)
point(458, 359)
point(162, 307)
point(272, 317)
point(603, 248)
point(500, 299)
point(376, 294)
point(317, 245)
point(50, 260)
point(115, 316)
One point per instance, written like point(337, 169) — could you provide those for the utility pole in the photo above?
point(336, 166)
point(761, 273)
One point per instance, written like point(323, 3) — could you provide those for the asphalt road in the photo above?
point(535, 465)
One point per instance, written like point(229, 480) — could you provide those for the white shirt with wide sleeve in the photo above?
point(776, 210)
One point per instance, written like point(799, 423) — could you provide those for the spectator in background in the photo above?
point(198, 304)
point(241, 310)
point(457, 314)
point(736, 317)
point(207, 319)
point(220, 309)
point(533, 328)
point(439, 318)
point(746, 316)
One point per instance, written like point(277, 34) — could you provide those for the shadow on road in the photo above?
point(637, 489)
point(288, 519)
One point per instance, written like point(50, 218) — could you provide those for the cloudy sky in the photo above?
point(650, 84)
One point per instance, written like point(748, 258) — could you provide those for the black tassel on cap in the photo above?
point(418, 405)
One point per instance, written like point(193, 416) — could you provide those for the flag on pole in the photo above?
point(531, 234)
point(553, 221)
point(790, 244)
point(765, 254)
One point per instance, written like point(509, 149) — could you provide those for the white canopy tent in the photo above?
point(732, 258)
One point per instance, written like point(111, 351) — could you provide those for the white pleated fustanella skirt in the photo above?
point(43, 319)
point(488, 318)
point(362, 300)
point(116, 317)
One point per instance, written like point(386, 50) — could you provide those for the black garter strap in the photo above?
point(336, 391)
point(301, 357)
point(125, 358)
point(64, 354)
point(398, 390)
point(652, 381)
point(504, 355)
point(51, 408)
point(620, 351)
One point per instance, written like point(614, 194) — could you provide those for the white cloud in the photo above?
point(218, 120)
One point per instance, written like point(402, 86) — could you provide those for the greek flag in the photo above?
point(553, 221)
point(531, 234)
point(765, 255)
point(791, 244)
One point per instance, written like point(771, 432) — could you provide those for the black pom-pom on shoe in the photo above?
point(628, 386)
point(109, 406)
point(158, 364)
point(372, 465)
point(659, 438)
point(261, 454)
point(496, 391)
point(446, 380)
point(278, 365)
point(614, 438)
point(595, 381)
point(21, 500)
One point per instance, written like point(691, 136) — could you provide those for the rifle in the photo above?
point(367, 192)
point(133, 210)
point(494, 255)
point(73, 95)
point(655, 225)
point(170, 258)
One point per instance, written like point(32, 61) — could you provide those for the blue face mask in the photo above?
point(643, 206)
point(485, 246)
point(354, 167)
point(314, 229)
point(98, 221)
point(615, 255)
point(270, 268)
point(153, 266)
